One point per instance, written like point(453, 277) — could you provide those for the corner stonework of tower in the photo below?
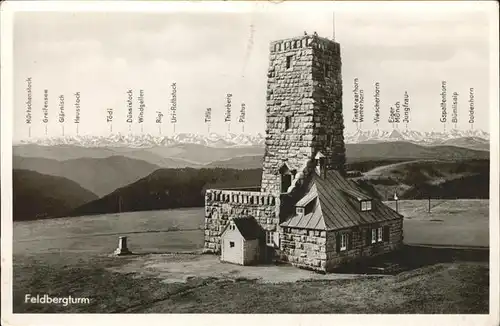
point(304, 110)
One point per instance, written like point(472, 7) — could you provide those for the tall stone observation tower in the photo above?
point(304, 110)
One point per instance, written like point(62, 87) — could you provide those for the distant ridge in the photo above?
point(170, 188)
point(38, 196)
point(99, 175)
point(245, 157)
point(234, 140)
point(423, 178)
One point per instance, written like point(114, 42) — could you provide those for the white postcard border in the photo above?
point(7, 16)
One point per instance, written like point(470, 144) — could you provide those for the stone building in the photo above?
point(312, 216)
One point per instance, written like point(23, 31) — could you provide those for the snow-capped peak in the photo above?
point(424, 137)
point(147, 140)
point(234, 140)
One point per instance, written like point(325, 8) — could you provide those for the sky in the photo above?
point(210, 54)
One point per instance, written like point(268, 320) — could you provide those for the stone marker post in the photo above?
point(122, 247)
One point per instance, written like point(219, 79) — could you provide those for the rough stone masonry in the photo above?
point(304, 86)
point(304, 115)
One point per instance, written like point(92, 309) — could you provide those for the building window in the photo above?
point(288, 61)
point(343, 242)
point(288, 123)
point(231, 244)
point(300, 210)
point(270, 238)
point(379, 234)
point(366, 205)
point(374, 235)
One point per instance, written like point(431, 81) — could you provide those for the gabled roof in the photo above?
point(336, 208)
point(248, 228)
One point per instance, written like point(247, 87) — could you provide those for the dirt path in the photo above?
point(172, 268)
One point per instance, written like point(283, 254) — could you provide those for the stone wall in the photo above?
point(317, 250)
point(223, 205)
point(359, 247)
point(327, 95)
point(309, 92)
point(304, 248)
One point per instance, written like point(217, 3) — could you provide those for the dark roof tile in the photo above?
point(338, 205)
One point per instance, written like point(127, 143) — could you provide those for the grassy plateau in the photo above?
point(70, 256)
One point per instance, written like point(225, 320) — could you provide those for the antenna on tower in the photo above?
point(333, 22)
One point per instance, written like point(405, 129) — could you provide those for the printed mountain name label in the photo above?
point(61, 109)
point(406, 108)
point(208, 115)
point(376, 118)
point(443, 102)
point(142, 106)
point(471, 106)
point(361, 106)
point(355, 109)
point(77, 107)
point(129, 106)
point(454, 108)
point(159, 117)
point(242, 113)
point(28, 100)
point(109, 116)
point(45, 108)
point(395, 113)
point(173, 103)
point(228, 107)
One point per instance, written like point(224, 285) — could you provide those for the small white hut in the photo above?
point(241, 241)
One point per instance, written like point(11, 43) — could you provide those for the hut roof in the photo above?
point(248, 228)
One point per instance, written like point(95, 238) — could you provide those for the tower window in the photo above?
point(288, 61)
point(327, 70)
point(288, 122)
point(286, 182)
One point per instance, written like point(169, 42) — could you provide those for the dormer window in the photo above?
point(300, 211)
point(364, 201)
point(366, 205)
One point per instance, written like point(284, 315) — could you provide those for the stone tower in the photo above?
point(304, 110)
